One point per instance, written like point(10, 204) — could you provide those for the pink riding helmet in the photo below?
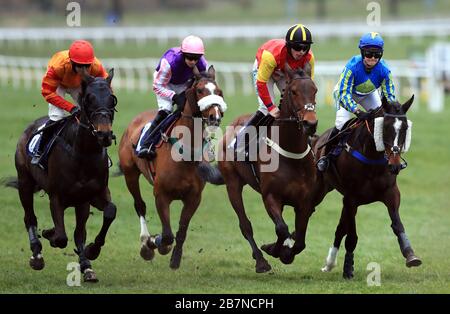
point(193, 44)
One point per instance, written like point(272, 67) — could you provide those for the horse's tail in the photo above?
point(10, 182)
point(210, 173)
point(118, 172)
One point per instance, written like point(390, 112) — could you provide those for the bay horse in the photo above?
point(290, 183)
point(77, 174)
point(172, 179)
point(366, 172)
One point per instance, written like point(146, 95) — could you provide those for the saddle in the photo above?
point(53, 130)
point(156, 138)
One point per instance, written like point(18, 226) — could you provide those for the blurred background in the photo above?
point(131, 36)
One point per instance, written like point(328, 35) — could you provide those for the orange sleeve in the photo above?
point(50, 83)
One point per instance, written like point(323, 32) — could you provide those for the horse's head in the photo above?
point(299, 99)
point(97, 106)
point(205, 98)
point(392, 132)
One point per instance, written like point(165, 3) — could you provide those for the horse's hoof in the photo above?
point(147, 253)
point(262, 266)
point(348, 275)
point(37, 263)
point(413, 261)
point(287, 258)
point(164, 249)
point(89, 275)
point(92, 251)
point(175, 262)
point(60, 242)
point(269, 249)
point(48, 233)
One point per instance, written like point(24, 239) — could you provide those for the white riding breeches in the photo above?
point(165, 103)
point(368, 102)
point(280, 82)
point(56, 113)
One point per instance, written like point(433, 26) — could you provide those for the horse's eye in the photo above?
point(199, 90)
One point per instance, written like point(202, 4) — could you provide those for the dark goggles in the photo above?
point(300, 47)
point(372, 54)
point(192, 57)
point(79, 65)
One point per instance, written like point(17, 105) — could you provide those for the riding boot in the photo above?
point(324, 161)
point(147, 150)
point(45, 137)
point(255, 120)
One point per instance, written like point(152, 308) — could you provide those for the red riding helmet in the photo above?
point(81, 52)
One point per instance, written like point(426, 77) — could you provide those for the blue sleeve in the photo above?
point(387, 85)
point(345, 91)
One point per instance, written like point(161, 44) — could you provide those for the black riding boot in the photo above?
point(147, 150)
point(45, 137)
point(254, 121)
point(324, 161)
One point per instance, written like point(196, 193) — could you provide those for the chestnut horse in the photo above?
point(172, 179)
point(290, 183)
point(78, 171)
point(366, 172)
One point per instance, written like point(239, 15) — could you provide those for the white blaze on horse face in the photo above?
point(216, 109)
point(397, 126)
point(211, 87)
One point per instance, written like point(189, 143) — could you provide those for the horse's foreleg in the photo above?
point(132, 181)
point(57, 236)
point(234, 189)
point(165, 240)
point(392, 202)
point(274, 209)
point(190, 205)
point(104, 204)
point(26, 198)
point(352, 238)
point(82, 214)
point(341, 231)
point(301, 224)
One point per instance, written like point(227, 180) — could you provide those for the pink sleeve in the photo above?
point(161, 79)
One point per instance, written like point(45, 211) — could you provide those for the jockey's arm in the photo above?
point(345, 91)
point(50, 83)
point(161, 79)
point(265, 70)
point(311, 65)
point(387, 87)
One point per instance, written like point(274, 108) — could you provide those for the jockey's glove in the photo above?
point(75, 111)
point(179, 99)
point(363, 115)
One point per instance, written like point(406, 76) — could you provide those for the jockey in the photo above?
point(172, 77)
point(358, 84)
point(63, 76)
point(268, 68)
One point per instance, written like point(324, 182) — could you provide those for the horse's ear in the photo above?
point(110, 76)
point(196, 73)
point(212, 72)
point(289, 72)
point(406, 105)
point(86, 78)
point(191, 99)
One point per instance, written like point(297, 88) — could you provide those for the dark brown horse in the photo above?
point(366, 172)
point(77, 175)
point(290, 182)
point(173, 179)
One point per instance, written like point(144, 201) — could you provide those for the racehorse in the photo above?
point(172, 179)
point(366, 172)
point(76, 175)
point(289, 184)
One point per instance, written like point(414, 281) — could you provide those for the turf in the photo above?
point(217, 259)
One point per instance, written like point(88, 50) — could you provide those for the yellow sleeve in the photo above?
point(266, 66)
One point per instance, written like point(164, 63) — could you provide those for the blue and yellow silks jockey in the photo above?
point(358, 84)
